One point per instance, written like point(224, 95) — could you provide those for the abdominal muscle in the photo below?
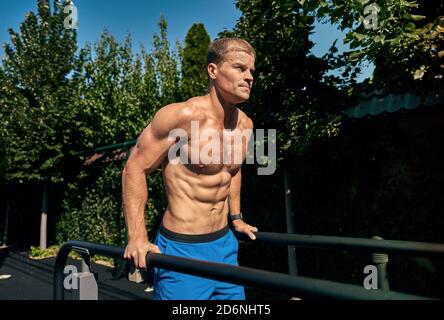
point(197, 197)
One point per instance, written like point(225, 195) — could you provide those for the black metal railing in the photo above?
point(424, 249)
point(283, 283)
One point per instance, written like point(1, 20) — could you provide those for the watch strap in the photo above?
point(236, 216)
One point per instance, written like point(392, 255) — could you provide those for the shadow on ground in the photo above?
point(33, 279)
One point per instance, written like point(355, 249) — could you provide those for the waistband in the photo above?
point(193, 238)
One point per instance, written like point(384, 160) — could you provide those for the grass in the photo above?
point(37, 253)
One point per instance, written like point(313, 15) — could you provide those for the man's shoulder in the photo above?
point(244, 121)
point(183, 111)
point(176, 114)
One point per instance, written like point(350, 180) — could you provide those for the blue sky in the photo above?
point(140, 18)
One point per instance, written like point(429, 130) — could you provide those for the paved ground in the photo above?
point(33, 280)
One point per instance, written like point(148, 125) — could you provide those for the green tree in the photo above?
point(291, 91)
point(3, 130)
point(118, 92)
point(194, 62)
point(405, 41)
point(38, 95)
point(119, 96)
point(166, 66)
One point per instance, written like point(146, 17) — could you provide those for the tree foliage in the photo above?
point(56, 102)
point(405, 41)
point(292, 91)
point(166, 65)
point(37, 95)
point(119, 94)
point(194, 62)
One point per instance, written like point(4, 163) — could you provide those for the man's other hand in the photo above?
point(242, 227)
point(137, 251)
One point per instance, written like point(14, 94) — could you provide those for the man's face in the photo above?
point(234, 77)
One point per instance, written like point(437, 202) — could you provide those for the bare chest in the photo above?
point(210, 150)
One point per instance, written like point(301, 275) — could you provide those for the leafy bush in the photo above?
point(92, 208)
point(38, 253)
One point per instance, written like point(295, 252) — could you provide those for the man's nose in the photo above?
point(249, 76)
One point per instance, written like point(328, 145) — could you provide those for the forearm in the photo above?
point(234, 205)
point(135, 195)
point(234, 202)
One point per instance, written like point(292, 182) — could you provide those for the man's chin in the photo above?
point(243, 97)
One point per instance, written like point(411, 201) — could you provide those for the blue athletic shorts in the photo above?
point(220, 246)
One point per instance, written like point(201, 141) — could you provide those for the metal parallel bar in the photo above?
point(239, 275)
point(361, 244)
point(116, 146)
point(123, 145)
point(91, 248)
point(292, 285)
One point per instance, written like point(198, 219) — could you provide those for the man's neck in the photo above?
point(222, 108)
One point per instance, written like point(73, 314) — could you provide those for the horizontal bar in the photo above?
point(108, 147)
point(292, 285)
point(283, 283)
point(362, 244)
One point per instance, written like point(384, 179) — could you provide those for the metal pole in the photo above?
point(367, 245)
point(381, 260)
point(239, 275)
point(44, 217)
point(289, 213)
point(292, 285)
point(123, 145)
point(5, 232)
point(88, 288)
point(86, 262)
point(79, 246)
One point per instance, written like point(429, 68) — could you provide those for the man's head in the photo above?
point(230, 68)
point(220, 47)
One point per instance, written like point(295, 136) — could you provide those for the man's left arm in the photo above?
point(234, 206)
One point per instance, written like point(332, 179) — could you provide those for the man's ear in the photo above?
point(212, 70)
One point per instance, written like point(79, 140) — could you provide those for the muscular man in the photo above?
point(202, 196)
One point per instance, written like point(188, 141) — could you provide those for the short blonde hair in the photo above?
point(220, 47)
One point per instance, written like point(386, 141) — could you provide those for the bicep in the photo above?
point(236, 178)
point(150, 150)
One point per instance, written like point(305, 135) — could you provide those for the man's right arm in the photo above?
point(151, 148)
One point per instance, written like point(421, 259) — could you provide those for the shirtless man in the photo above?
point(202, 197)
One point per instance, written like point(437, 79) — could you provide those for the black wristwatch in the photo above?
point(236, 216)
